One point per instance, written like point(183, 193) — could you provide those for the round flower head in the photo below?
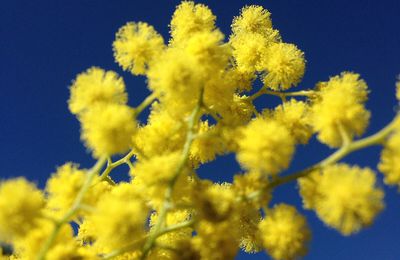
point(295, 116)
point(21, 205)
point(266, 145)
point(108, 129)
point(285, 233)
point(389, 164)
point(252, 19)
point(64, 185)
point(190, 18)
point(344, 197)
point(96, 86)
point(284, 66)
point(136, 45)
point(338, 107)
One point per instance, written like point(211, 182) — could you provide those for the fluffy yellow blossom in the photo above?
point(389, 164)
point(249, 219)
point(295, 116)
point(120, 218)
point(266, 145)
point(340, 104)
point(252, 19)
point(214, 202)
point(207, 145)
point(190, 18)
point(216, 240)
point(71, 251)
point(64, 185)
point(345, 198)
point(284, 66)
point(152, 176)
point(177, 76)
point(285, 232)
point(31, 244)
point(108, 130)
point(136, 46)
point(21, 205)
point(96, 86)
point(162, 134)
point(246, 185)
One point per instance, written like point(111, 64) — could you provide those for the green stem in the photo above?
point(282, 95)
point(375, 139)
point(146, 102)
point(193, 119)
point(74, 208)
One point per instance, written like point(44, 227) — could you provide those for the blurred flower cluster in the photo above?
point(203, 88)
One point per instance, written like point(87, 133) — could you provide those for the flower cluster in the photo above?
point(201, 106)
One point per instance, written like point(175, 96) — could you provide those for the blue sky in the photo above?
point(45, 43)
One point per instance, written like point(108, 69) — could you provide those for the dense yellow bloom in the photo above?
point(207, 145)
point(390, 157)
point(119, 218)
point(63, 187)
point(247, 184)
point(216, 240)
point(340, 104)
point(21, 205)
point(190, 18)
point(96, 86)
point(162, 134)
point(284, 232)
point(284, 66)
point(266, 145)
point(29, 246)
point(295, 116)
point(152, 176)
point(71, 251)
point(345, 198)
point(248, 222)
point(136, 46)
point(108, 130)
point(178, 78)
point(252, 19)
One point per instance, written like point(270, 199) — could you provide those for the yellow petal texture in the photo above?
point(390, 157)
point(108, 129)
point(136, 46)
point(96, 86)
point(345, 198)
point(190, 18)
point(340, 104)
point(252, 19)
point(21, 205)
point(266, 145)
point(284, 233)
point(284, 66)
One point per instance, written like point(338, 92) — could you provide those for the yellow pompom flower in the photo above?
point(345, 198)
point(295, 116)
point(29, 246)
point(340, 104)
point(177, 76)
point(285, 233)
point(162, 134)
point(152, 176)
point(252, 19)
point(71, 250)
point(136, 46)
point(96, 86)
point(190, 18)
point(64, 185)
point(108, 129)
point(216, 240)
point(21, 205)
point(207, 145)
point(389, 164)
point(266, 145)
point(284, 66)
point(120, 218)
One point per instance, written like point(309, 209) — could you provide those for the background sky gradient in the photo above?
point(45, 43)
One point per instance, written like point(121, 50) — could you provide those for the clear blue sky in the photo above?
point(45, 43)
